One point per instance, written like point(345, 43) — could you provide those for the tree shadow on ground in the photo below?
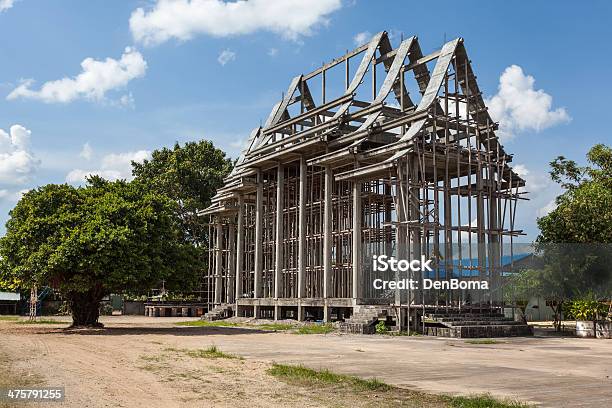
point(171, 331)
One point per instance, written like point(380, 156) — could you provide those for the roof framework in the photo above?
point(381, 151)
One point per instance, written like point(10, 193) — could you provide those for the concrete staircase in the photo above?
point(363, 320)
point(222, 311)
point(474, 325)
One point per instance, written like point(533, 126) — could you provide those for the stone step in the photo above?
point(481, 331)
point(356, 328)
point(474, 319)
point(483, 323)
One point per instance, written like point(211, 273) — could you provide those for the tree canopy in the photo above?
point(189, 174)
point(88, 242)
point(584, 210)
point(574, 244)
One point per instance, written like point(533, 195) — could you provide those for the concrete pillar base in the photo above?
point(256, 311)
point(300, 314)
point(277, 313)
point(326, 314)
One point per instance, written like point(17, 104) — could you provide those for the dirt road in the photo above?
point(138, 361)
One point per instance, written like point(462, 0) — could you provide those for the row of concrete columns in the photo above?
point(235, 257)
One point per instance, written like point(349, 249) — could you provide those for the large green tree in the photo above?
point(91, 241)
point(189, 174)
point(575, 238)
point(584, 210)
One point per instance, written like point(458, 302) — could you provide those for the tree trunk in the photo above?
point(85, 307)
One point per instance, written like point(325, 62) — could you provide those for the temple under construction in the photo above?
point(380, 151)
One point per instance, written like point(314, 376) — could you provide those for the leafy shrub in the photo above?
point(586, 309)
point(381, 327)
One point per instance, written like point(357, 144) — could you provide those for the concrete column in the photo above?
point(327, 239)
point(278, 261)
point(231, 264)
point(480, 217)
point(239, 249)
point(494, 249)
point(402, 245)
point(302, 231)
point(414, 214)
point(218, 260)
point(300, 312)
point(258, 236)
point(357, 241)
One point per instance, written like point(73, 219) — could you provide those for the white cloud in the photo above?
point(184, 19)
point(86, 151)
point(550, 206)
point(114, 166)
point(226, 56)
point(362, 38)
point(6, 4)
point(273, 52)
point(518, 107)
point(17, 162)
point(95, 80)
point(534, 181)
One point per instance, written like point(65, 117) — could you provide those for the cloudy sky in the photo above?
point(86, 87)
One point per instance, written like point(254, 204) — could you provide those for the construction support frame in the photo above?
point(406, 166)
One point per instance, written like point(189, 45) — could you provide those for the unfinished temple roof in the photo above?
point(374, 121)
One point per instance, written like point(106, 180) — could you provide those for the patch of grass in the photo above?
point(8, 318)
point(41, 321)
point(275, 326)
point(210, 352)
point(305, 376)
point(403, 333)
point(483, 401)
point(152, 358)
point(205, 323)
point(388, 394)
point(315, 329)
point(483, 341)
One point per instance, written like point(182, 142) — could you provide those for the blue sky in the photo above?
point(161, 78)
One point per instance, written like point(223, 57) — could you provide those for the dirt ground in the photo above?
point(141, 361)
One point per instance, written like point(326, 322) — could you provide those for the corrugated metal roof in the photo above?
point(9, 296)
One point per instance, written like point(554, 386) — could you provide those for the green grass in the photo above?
point(306, 329)
point(41, 321)
point(275, 326)
point(8, 318)
point(483, 401)
point(403, 333)
point(308, 377)
point(315, 329)
point(205, 323)
point(210, 352)
point(483, 341)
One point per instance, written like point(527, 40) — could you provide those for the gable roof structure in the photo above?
point(412, 99)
